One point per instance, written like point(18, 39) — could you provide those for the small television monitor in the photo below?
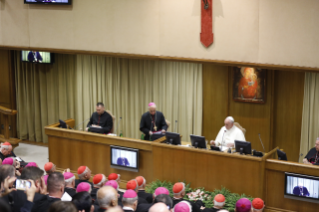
point(198, 141)
point(244, 147)
point(301, 187)
point(37, 57)
point(173, 138)
point(63, 124)
point(281, 155)
point(61, 2)
point(124, 158)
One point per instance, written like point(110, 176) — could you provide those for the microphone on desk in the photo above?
point(261, 142)
point(221, 145)
point(118, 123)
point(300, 156)
point(80, 124)
point(175, 126)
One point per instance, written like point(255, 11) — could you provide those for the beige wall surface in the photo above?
point(281, 32)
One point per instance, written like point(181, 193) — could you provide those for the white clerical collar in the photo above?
point(128, 208)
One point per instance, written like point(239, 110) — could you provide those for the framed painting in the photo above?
point(249, 85)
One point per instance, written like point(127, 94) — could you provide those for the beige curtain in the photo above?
point(45, 93)
point(126, 86)
point(74, 84)
point(310, 114)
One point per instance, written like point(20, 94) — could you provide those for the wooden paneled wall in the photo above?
point(7, 88)
point(278, 120)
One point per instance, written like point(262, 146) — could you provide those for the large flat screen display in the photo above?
point(48, 2)
point(302, 187)
point(124, 158)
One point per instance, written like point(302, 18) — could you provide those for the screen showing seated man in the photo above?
point(36, 57)
point(299, 186)
point(122, 157)
point(49, 1)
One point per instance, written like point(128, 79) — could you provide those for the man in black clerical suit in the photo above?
point(179, 193)
point(300, 190)
point(141, 189)
point(5, 150)
point(312, 156)
point(69, 183)
point(152, 121)
point(55, 189)
point(100, 121)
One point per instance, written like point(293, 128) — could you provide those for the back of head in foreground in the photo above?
point(130, 199)
point(56, 184)
point(6, 171)
point(83, 201)
point(32, 173)
point(61, 206)
point(166, 199)
point(107, 197)
point(159, 207)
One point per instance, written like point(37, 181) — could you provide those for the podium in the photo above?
point(6, 112)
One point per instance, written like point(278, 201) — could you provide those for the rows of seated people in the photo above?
point(61, 192)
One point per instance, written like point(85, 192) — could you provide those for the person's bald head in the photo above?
point(107, 197)
point(159, 207)
point(229, 122)
point(317, 145)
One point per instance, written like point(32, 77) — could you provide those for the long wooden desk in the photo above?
point(258, 177)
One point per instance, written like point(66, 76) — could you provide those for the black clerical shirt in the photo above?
point(2, 157)
point(313, 156)
point(148, 197)
point(104, 120)
point(148, 121)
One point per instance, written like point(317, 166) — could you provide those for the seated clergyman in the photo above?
point(101, 120)
point(313, 155)
point(228, 134)
point(300, 190)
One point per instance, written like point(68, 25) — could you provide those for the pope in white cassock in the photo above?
point(228, 134)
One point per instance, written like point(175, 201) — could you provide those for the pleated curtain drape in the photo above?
point(310, 114)
point(72, 86)
point(44, 94)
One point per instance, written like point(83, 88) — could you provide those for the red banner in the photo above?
point(206, 35)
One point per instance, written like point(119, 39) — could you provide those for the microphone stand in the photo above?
point(221, 146)
point(80, 124)
point(175, 126)
point(261, 143)
point(118, 123)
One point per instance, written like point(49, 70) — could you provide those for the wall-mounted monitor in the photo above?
point(124, 158)
point(37, 57)
point(301, 187)
point(65, 2)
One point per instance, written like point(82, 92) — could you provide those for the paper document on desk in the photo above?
point(223, 148)
point(158, 132)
